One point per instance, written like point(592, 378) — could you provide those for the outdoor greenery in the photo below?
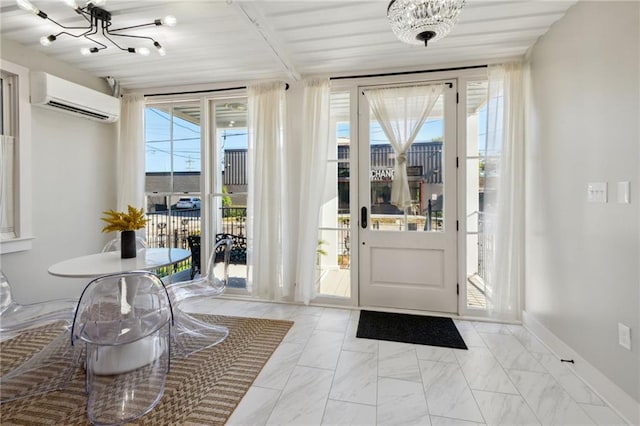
point(226, 200)
point(319, 250)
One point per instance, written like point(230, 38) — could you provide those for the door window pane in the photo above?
point(333, 252)
point(172, 184)
point(173, 148)
point(479, 250)
point(231, 183)
point(425, 173)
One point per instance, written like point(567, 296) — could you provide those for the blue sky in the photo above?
point(186, 149)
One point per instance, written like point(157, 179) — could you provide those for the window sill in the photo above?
point(16, 245)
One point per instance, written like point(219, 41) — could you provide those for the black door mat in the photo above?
point(423, 330)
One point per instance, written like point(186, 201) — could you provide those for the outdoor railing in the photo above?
point(486, 250)
point(234, 220)
point(171, 228)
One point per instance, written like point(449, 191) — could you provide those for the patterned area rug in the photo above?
point(204, 388)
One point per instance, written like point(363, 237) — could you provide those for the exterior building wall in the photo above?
point(424, 162)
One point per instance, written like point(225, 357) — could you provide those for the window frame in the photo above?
point(22, 182)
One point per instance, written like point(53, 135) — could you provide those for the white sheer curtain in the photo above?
point(315, 151)
point(401, 112)
point(504, 170)
point(130, 153)
point(266, 195)
point(6, 186)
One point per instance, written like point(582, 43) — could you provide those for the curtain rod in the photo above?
point(389, 74)
point(193, 92)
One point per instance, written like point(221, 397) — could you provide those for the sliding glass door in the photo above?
point(229, 182)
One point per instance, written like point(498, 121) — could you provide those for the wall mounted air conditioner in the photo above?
point(62, 95)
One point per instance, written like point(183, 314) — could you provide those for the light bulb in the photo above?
point(71, 3)
point(47, 40)
point(26, 5)
point(169, 21)
point(86, 51)
point(143, 51)
point(161, 50)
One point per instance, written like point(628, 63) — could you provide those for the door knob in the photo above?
point(363, 217)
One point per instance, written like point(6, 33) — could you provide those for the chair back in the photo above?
point(114, 245)
point(53, 366)
point(6, 299)
point(124, 320)
point(218, 271)
point(15, 318)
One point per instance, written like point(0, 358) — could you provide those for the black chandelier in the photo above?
point(99, 20)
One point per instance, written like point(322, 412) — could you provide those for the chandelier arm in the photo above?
point(106, 35)
point(86, 15)
point(68, 28)
point(72, 35)
point(103, 46)
point(133, 26)
point(91, 31)
point(132, 36)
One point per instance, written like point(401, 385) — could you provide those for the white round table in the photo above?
point(110, 262)
point(120, 359)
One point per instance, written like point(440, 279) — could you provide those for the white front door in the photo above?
point(407, 258)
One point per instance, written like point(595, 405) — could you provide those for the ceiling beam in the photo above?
point(257, 21)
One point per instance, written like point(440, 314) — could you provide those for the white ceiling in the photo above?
point(224, 41)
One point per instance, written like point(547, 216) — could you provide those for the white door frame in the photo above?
point(411, 270)
point(463, 75)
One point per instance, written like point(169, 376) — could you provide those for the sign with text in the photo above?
point(388, 173)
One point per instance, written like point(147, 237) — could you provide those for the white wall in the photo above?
point(73, 182)
point(582, 273)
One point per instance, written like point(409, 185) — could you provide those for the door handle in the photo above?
point(363, 217)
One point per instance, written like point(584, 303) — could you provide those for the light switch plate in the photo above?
point(597, 192)
point(624, 336)
point(623, 192)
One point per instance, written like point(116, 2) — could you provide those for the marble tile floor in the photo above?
point(321, 374)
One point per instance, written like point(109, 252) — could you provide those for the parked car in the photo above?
point(188, 203)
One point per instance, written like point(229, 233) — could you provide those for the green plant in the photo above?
point(226, 200)
point(319, 250)
point(120, 221)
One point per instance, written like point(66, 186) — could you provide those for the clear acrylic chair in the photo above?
point(190, 333)
point(114, 245)
point(124, 321)
point(53, 366)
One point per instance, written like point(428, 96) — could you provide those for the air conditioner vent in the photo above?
point(77, 110)
point(55, 93)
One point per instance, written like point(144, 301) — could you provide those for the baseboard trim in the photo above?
point(625, 406)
